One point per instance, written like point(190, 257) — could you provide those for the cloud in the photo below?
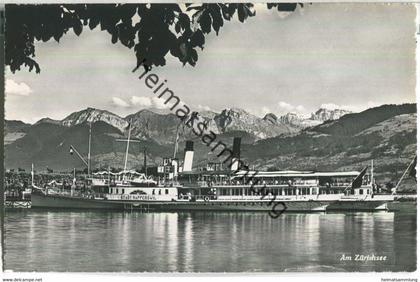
point(330, 106)
point(141, 101)
point(120, 102)
point(150, 102)
point(300, 109)
point(203, 108)
point(285, 108)
point(265, 110)
point(15, 88)
point(160, 103)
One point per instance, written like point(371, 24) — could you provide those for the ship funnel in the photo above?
point(188, 155)
point(236, 153)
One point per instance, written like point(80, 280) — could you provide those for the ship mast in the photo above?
point(128, 145)
point(90, 142)
point(176, 140)
point(371, 174)
point(145, 161)
point(405, 172)
point(109, 177)
point(32, 175)
point(128, 140)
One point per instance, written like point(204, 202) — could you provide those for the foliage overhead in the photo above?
point(150, 30)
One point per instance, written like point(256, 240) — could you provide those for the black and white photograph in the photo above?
point(210, 138)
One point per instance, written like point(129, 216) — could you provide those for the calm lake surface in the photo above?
point(45, 241)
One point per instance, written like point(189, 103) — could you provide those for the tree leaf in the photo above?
point(197, 39)
point(77, 28)
point(205, 22)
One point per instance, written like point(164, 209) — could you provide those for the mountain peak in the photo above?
point(207, 114)
point(235, 111)
point(324, 114)
point(142, 111)
point(271, 118)
point(92, 115)
point(296, 120)
point(48, 120)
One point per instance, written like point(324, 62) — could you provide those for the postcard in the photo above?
point(210, 138)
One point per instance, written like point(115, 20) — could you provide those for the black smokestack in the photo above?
point(237, 147)
point(189, 145)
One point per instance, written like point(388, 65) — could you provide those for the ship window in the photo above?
point(122, 191)
point(166, 191)
point(361, 191)
point(160, 192)
point(153, 191)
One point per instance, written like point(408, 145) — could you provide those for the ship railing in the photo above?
point(264, 185)
point(268, 198)
point(313, 197)
point(277, 184)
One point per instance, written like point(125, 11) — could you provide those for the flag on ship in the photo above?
point(357, 182)
point(412, 169)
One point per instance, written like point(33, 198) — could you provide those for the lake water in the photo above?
point(45, 241)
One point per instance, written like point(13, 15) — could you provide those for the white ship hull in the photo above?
point(274, 207)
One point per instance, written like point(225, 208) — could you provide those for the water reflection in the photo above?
point(207, 242)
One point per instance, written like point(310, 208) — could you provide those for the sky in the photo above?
point(350, 56)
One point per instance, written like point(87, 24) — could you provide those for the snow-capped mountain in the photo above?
point(316, 118)
point(326, 114)
point(240, 120)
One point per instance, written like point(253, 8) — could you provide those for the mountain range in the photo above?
point(161, 127)
point(327, 140)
